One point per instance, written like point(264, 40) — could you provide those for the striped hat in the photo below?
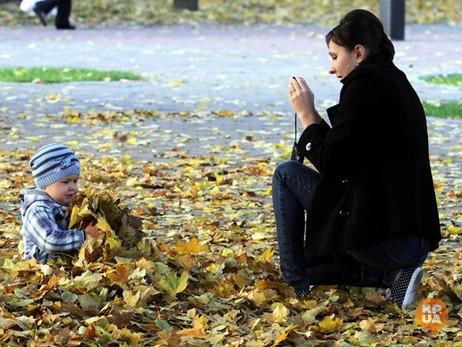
point(52, 163)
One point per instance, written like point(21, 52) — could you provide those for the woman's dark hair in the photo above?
point(364, 28)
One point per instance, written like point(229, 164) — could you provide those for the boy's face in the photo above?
point(64, 190)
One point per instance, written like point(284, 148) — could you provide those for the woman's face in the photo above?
point(343, 61)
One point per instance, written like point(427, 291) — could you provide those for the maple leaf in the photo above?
point(119, 273)
point(86, 281)
point(198, 328)
point(371, 325)
point(331, 323)
point(280, 312)
point(131, 298)
point(191, 247)
point(172, 284)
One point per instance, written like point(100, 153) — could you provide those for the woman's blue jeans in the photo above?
point(376, 266)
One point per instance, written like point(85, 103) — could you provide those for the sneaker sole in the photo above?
point(412, 288)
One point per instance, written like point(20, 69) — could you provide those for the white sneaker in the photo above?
point(403, 290)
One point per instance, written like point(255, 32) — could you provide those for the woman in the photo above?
point(371, 209)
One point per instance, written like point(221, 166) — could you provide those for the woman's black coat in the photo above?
point(374, 163)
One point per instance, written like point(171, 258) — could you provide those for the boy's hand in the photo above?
point(92, 231)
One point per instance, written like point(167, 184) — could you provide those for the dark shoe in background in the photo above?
point(40, 15)
point(65, 26)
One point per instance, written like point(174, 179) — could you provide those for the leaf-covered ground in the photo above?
point(206, 271)
point(97, 12)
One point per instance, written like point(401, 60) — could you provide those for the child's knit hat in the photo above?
point(52, 163)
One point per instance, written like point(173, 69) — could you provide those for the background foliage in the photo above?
point(324, 12)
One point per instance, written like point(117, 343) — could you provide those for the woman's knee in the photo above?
point(286, 168)
point(296, 171)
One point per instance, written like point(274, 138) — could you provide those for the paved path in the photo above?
point(242, 69)
point(215, 67)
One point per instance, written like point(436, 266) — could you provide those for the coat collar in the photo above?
point(366, 67)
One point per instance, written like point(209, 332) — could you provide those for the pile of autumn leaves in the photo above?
point(106, 284)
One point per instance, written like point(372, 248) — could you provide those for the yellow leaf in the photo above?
point(215, 268)
point(331, 323)
point(53, 98)
point(148, 265)
point(113, 242)
point(183, 282)
point(227, 252)
point(133, 339)
point(198, 329)
point(224, 113)
point(309, 316)
point(130, 298)
point(192, 246)
point(103, 225)
point(259, 235)
point(283, 334)
point(266, 256)
point(73, 144)
point(186, 261)
point(5, 184)
point(176, 83)
point(453, 230)
point(87, 281)
point(132, 182)
point(224, 289)
point(259, 297)
point(74, 220)
point(132, 140)
point(370, 325)
point(280, 312)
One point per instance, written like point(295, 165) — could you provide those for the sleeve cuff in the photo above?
point(312, 136)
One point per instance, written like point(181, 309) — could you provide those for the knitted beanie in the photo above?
point(52, 163)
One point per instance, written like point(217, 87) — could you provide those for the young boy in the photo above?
point(56, 172)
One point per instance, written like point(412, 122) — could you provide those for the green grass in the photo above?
point(451, 79)
point(444, 109)
point(62, 75)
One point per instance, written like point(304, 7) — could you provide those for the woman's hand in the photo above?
point(302, 100)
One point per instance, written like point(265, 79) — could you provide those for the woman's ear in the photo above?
point(361, 53)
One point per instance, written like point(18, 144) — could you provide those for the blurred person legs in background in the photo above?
point(43, 8)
